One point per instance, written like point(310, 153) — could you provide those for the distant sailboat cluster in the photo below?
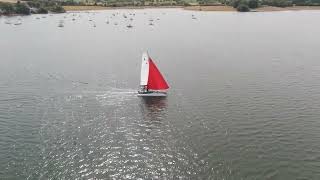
point(114, 18)
point(120, 18)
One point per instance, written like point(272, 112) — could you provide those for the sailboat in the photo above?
point(7, 22)
point(152, 83)
point(18, 23)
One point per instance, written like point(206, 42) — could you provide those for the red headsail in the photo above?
point(155, 79)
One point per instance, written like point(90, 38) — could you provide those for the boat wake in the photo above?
point(116, 97)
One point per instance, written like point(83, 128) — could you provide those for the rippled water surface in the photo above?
point(244, 101)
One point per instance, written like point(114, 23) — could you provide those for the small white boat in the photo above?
point(7, 22)
point(61, 23)
point(152, 83)
point(18, 23)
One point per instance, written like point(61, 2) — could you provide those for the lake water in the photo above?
point(244, 101)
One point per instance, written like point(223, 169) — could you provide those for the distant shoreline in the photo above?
point(259, 9)
point(91, 8)
point(292, 8)
point(216, 8)
point(193, 8)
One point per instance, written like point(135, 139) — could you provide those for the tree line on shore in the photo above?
point(30, 7)
point(240, 5)
point(56, 6)
point(115, 3)
point(246, 5)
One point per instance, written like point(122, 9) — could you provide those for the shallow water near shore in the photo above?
point(244, 101)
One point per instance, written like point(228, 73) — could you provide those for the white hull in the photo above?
point(152, 94)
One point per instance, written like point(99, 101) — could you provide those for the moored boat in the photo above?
point(18, 23)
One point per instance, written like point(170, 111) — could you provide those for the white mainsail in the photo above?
point(144, 69)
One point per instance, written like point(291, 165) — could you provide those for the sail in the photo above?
point(155, 79)
point(144, 70)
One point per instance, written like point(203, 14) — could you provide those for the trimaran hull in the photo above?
point(152, 94)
